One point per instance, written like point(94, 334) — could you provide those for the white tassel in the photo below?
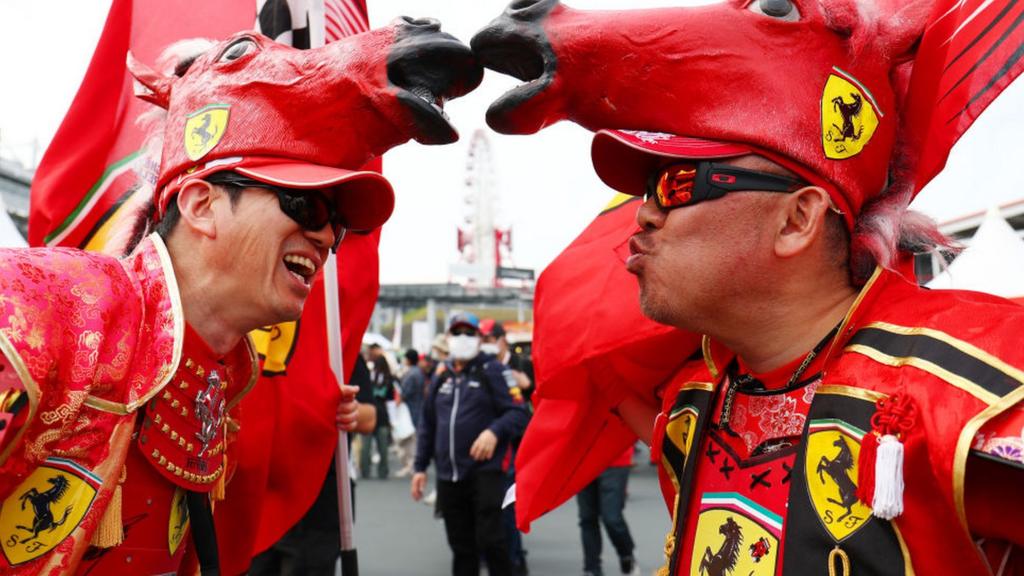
point(888, 499)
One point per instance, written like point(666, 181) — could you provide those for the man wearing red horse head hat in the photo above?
point(838, 419)
point(120, 379)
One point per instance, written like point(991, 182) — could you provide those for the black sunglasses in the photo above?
point(310, 209)
point(687, 183)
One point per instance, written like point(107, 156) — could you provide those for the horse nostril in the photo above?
point(424, 23)
point(529, 10)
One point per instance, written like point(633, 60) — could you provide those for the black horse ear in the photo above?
point(150, 85)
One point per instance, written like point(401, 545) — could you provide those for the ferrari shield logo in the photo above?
point(276, 344)
point(831, 473)
point(177, 524)
point(735, 535)
point(204, 128)
point(680, 429)
point(45, 509)
point(849, 116)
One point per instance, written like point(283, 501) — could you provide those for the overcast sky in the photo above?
point(548, 190)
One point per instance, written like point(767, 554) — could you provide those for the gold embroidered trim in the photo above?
point(102, 405)
point(930, 367)
point(852, 392)
point(31, 388)
point(965, 347)
point(254, 374)
point(963, 448)
point(179, 322)
point(705, 346)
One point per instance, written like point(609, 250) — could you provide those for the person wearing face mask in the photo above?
point(469, 418)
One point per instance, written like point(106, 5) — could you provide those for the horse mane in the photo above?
point(60, 487)
point(733, 542)
point(139, 209)
point(887, 229)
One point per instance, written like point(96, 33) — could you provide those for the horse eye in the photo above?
point(236, 50)
point(779, 9)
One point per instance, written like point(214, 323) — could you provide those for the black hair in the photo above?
point(412, 356)
point(144, 221)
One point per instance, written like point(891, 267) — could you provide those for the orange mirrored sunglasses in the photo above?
point(687, 183)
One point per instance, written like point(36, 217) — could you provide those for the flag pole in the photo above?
point(349, 559)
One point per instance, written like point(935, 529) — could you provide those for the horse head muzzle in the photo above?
point(516, 44)
point(430, 67)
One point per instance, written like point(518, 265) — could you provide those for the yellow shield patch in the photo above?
point(204, 128)
point(680, 429)
point(177, 524)
point(276, 344)
point(45, 508)
point(849, 116)
point(830, 469)
point(735, 535)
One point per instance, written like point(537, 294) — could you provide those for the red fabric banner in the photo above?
point(971, 51)
point(592, 345)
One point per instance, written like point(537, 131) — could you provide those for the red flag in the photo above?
point(80, 190)
point(971, 51)
point(88, 167)
point(592, 345)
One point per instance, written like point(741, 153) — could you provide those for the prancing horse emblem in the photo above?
point(724, 561)
point(43, 518)
point(848, 112)
point(838, 469)
point(209, 411)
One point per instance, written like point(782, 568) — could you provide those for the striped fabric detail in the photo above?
point(344, 18)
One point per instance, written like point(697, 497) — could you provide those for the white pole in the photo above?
point(341, 458)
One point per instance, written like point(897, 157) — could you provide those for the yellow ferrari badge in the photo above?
point(177, 523)
point(735, 535)
point(849, 116)
point(204, 129)
point(680, 429)
point(831, 473)
point(276, 344)
point(45, 508)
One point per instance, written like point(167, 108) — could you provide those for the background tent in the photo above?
point(993, 261)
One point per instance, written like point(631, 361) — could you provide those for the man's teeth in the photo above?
point(308, 268)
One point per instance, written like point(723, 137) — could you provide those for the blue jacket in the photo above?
point(461, 406)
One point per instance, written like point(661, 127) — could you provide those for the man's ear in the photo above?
point(196, 202)
point(804, 212)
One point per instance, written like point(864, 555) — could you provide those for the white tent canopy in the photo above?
point(992, 263)
point(9, 235)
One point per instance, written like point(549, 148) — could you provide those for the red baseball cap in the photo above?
point(624, 159)
point(365, 199)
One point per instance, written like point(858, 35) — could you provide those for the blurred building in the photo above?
point(15, 181)
point(962, 229)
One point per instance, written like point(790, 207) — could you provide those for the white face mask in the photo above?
point(489, 348)
point(463, 347)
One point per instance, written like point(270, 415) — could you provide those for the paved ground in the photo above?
point(396, 536)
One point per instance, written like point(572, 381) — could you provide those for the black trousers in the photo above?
point(471, 509)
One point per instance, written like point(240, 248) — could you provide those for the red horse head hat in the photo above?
point(309, 118)
point(815, 85)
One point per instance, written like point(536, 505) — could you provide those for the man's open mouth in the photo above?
point(301, 267)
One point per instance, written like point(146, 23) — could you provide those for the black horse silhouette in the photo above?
point(203, 130)
point(849, 112)
point(723, 561)
point(838, 469)
point(41, 502)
